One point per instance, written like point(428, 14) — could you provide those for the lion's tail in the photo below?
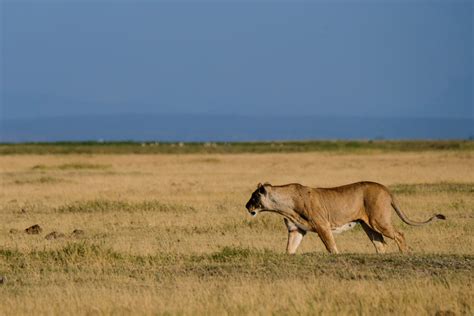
point(415, 223)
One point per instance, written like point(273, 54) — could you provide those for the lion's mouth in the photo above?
point(255, 212)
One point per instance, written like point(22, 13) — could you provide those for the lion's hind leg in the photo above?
point(375, 237)
point(400, 240)
point(389, 231)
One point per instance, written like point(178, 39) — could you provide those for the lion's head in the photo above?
point(259, 200)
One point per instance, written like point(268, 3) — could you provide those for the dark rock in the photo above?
point(3, 279)
point(34, 230)
point(14, 231)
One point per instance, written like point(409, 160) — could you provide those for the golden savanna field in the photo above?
point(168, 233)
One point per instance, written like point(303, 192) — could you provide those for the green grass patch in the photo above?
point(447, 187)
point(100, 205)
point(72, 166)
point(40, 180)
point(234, 263)
point(229, 254)
point(234, 147)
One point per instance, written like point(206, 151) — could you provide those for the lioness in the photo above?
point(333, 210)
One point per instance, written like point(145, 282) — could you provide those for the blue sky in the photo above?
point(256, 58)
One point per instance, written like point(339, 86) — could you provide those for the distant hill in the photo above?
point(190, 128)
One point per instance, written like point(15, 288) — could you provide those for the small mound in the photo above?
point(77, 233)
point(54, 235)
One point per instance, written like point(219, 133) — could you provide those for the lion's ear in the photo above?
point(261, 187)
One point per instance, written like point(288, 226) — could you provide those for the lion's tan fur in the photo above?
point(324, 210)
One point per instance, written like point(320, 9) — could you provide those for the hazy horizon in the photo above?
point(230, 128)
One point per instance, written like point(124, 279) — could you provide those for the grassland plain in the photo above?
point(169, 234)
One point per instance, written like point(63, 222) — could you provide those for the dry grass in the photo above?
point(169, 234)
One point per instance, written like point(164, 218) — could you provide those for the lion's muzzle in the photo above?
point(251, 208)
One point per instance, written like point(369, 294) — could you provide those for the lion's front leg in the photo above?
point(295, 236)
point(325, 233)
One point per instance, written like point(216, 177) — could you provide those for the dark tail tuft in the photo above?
point(440, 216)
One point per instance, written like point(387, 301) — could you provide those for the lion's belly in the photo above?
point(343, 228)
